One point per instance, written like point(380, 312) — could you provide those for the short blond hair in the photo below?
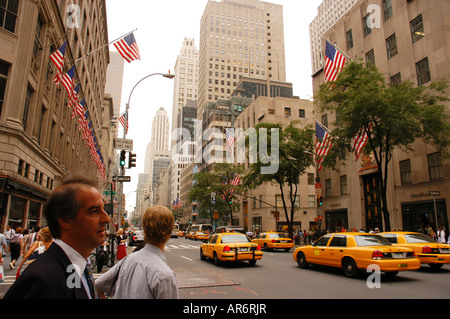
point(45, 234)
point(158, 223)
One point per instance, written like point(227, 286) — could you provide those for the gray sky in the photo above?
point(161, 28)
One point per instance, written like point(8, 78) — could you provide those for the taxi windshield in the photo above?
point(418, 238)
point(371, 240)
point(277, 235)
point(235, 238)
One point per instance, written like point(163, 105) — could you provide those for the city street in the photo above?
point(277, 276)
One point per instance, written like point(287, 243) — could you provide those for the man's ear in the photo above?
point(64, 224)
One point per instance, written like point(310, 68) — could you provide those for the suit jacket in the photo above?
point(49, 277)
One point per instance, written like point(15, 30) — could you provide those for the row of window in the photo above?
point(39, 178)
point(435, 169)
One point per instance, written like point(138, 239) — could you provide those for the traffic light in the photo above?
point(230, 199)
point(319, 201)
point(122, 158)
point(131, 160)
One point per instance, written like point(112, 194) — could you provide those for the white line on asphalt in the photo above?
point(186, 258)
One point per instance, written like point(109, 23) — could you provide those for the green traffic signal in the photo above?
point(122, 158)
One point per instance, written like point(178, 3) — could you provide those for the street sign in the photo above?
point(318, 187)
point(122, 179)
point(109, 193)
point(435, 193)
point(213, 198)
point(123, 144)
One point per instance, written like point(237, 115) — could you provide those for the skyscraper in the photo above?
point(114, 80)
point(239, 38)
point(159, 145)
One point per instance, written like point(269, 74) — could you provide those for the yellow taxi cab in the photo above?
point(274, 240)
point(201, 236)
point(356, 251)
point(230, 246)
point(190, 235)
point(425, 248)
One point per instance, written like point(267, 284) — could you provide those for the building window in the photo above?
point(367, 24)
point(391, 46)
point(328, 187)
point(3, 79)
point(310, 178)
point(26, 108)
point(8, 14)
point(301, 113)
point(343, 184)
point(349, 37)
point(405, 172)
point(396, 80)
point(311, 201)
point(417, 30)
point(388, 13)
point(423, 72)
point(370, 57)
point(435, 166)
point(287, 111)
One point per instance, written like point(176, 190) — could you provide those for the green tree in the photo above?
point(294, 149)
point(393, 116)
point(219, 182)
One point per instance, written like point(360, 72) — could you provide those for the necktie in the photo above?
point(90, 281)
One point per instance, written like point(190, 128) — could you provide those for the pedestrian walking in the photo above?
point(76, 219)
point(102, 255)
point(15, 247)
point(144, 274)
point(121, 244)
point(9, 234)
point(3, 247)
point(43, 243)
point(441, 235)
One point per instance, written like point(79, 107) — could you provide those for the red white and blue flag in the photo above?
point(230, 139)
point(128, 48)
point(360, 140)
point(58, 59)
point(334, 63)
point(123, 119)
point(324, 141)
point(68, 81)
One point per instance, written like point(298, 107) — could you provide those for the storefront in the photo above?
point(336, 220)
point(418, 215)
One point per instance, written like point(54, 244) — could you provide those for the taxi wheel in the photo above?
point(252, 262)
point(202, 257)
point(301, 261)
point(435, 266)
point(216, 259)
point(349, 268)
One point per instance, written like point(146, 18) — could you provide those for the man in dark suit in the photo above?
point(77, 221)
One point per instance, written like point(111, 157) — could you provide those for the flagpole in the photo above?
point(334, 46)
point(322, 126)
point(85, 56)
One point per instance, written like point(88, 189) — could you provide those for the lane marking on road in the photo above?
point(186, 258)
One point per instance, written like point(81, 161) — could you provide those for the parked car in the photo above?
point(136, 238)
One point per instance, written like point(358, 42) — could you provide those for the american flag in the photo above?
point(230, 140)
point(324, 141)
point(334, 62)
point(360, 140)
point(58, 59)
point(73, 99)
point(67, 81)
point(123, 119)
point(235, 181)
point(128, 48)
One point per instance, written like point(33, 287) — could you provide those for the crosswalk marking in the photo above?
point(169, 247)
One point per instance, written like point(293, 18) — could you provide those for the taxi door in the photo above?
point(335, 250)
point(318, 251)
point(209, 246)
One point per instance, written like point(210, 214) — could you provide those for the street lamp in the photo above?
point(166, 75)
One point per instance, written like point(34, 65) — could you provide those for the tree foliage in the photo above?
point(295, 149)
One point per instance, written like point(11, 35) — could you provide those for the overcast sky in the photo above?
point(161, 28)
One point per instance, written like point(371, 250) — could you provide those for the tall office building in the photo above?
point(184, 95)
point(239, 38)
point(114, 80)
point(328, 13)
point(186, 81)
point(159, 145)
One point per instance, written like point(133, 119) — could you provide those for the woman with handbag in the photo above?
point(121, 244)
point(44, 241)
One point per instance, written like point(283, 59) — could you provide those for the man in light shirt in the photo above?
point(77, 220)
point(145, 274)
